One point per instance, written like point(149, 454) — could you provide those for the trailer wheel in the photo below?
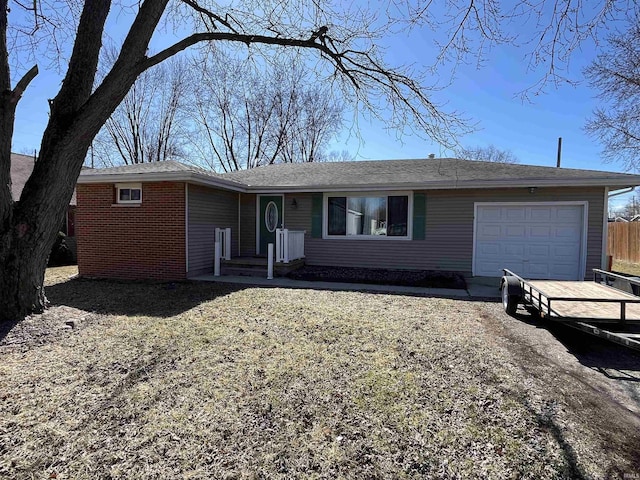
point(511, 294)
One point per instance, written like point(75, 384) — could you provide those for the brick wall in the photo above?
point(146, 241)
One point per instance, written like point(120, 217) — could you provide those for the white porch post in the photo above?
point(270, 262)
point(227, 244)
point(278, 244)
point(216, 261)
point(285, 240)
point(282, 245)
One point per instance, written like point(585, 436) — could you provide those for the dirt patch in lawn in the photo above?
point(237, 382)
point(380, 276)
point(595, 381)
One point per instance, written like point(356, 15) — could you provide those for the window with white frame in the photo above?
point(129, 193)
point(367, 216)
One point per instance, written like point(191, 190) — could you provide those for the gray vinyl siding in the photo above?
point(448, 243)
point(209, 209)
point(298, 218)
point(248, 225)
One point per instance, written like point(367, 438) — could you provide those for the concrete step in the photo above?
point(244, 271)
point(257, 267)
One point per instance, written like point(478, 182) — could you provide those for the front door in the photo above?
point(270, 218)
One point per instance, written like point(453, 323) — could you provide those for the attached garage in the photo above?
point(542, 240)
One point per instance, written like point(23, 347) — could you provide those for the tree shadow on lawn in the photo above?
point(157, 298)
point(135, 298)
point(612, 360)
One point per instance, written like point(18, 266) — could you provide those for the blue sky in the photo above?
point(488, 95)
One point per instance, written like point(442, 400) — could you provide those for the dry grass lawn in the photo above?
point(195, 381)
point(626, 267)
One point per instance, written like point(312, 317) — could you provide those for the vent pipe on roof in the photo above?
point(559, 151)
point(432, 155)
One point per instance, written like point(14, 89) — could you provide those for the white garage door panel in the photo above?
point(488, 214)
point(569, 232)
point(513, 249)
point(494, 269)
point(488, 232)
point(540, 232)
point(516, 214)
point(539, 250)
point(563, 251)
point(537, 269)
point(515, 231)
point(540, 214)
point(569, 213)
point(489, 249)
point(535, 241)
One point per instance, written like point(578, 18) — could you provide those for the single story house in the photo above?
point(159, 220)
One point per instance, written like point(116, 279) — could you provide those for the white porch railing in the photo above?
point(289, 245)
point(223, 236)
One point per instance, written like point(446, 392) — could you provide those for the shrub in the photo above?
point(60, 254)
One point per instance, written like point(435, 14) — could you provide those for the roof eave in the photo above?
point(527, 183)
point(190, 177)
point(207, 180)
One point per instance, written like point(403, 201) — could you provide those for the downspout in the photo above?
point(186, 228)
point(604, 257)
point(622, 192)
point(238, 231)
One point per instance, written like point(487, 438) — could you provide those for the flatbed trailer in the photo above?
point(585, 305)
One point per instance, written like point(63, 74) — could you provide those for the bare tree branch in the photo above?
point(490, 153)
point(261, 116)
point(23, 83)
point(616, 75)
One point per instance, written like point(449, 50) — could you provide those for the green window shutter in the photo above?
point(316, 215)
point(419, 215)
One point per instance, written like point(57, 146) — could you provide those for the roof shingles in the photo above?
point(445, 171)
point(427, 173)
point(21, 168)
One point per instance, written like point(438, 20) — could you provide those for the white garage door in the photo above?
point(542, 241)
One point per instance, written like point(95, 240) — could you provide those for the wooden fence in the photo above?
point(624, 241)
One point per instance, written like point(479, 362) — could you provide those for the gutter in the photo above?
point(626, 190)
point(526, 183)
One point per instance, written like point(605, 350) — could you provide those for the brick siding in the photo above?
point(144, 241)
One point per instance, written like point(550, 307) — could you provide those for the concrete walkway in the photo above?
point(475, 288)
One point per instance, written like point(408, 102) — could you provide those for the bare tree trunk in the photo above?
point(24, 253)
point(20, 259)
point(28, 227)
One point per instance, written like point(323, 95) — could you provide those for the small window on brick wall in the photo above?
point(129, 193)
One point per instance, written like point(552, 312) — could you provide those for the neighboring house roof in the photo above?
point(21, 168)
point(444, 173)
